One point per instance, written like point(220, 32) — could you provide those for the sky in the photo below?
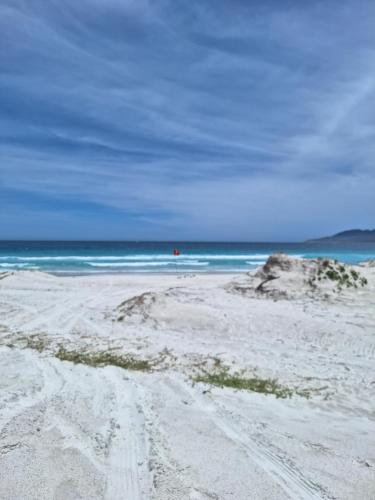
point(186, 120)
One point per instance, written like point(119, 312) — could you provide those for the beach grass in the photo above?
point(104, 358)
point(220, 377)
point(36, 343)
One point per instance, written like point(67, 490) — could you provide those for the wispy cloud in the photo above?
point(213, 119)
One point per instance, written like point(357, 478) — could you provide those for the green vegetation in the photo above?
point(36, 342)
point(104, 358)
point(221, 377)
point(340, 274)
point(40, 344)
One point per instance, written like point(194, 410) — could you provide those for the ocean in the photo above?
point(85, 257)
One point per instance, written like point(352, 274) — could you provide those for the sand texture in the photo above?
point(117, 386)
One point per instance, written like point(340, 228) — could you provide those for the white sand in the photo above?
point(71, 431)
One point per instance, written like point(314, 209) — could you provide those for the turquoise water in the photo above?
point(157, 257)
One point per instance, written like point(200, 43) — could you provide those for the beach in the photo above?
point(187, 250)
point(186, 386)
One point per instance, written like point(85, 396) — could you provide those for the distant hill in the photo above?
point(351, 236)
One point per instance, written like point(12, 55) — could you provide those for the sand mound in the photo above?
point(287, 277)
point(173, 309)
point(139, 306)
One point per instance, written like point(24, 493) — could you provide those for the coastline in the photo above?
point(157, 257)
point(107, 386)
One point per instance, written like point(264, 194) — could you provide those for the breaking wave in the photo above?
point(147, 264)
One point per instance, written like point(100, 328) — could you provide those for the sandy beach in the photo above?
point(187, 250)
point(110, 387)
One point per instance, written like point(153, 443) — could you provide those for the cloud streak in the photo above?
point(203, 120)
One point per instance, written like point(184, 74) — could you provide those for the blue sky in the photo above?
point(205, 120)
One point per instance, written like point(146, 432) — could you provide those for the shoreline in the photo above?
point(156, 258)
point(173, 272)
point(151, 273)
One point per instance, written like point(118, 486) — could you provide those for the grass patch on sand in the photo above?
point(36, 343)
point(105, 358)
point(100, 358)
point(221, 377)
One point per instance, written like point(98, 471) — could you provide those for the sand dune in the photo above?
point(99, 397)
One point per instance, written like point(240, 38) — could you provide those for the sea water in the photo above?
point(84, 257)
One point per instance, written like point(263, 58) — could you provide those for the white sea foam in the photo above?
point(12, 265)
point(151, 257)
point(147, 264)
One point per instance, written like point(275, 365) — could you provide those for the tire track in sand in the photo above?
point(128, 475)
point(282, 471)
